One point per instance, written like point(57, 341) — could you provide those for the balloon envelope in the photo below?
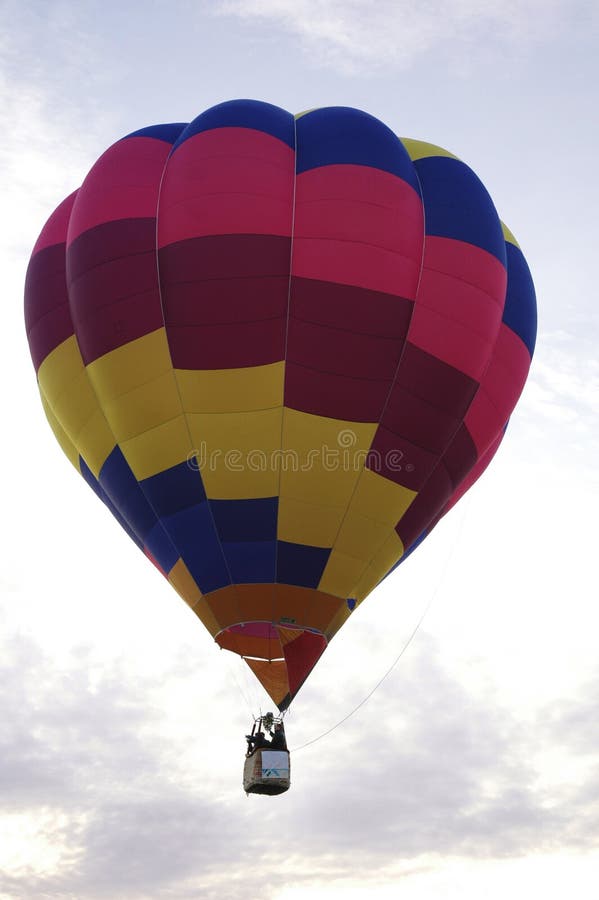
point(278, 349)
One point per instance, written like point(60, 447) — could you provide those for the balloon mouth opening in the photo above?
point(281, 656)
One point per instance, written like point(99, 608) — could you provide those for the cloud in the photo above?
point(86, 768)
point(352, 35)
point(123, 810)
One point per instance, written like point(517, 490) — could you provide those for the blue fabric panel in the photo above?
point(520, 311)
point(300, 564)
point(457, 205)
point(168, 132)
point(244, 114)
point(161, 547)
point(121, 486)
point(340, 134)
point(251, 562)
point(246, 520)
point(192, 532)
point(101, 493)
point(174, 489)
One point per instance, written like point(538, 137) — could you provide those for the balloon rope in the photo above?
point(377, 685)
point(403, 649)
point(245, 694)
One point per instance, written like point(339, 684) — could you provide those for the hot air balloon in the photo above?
point(278, 348)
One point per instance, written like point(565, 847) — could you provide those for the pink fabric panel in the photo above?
point(55, 229)
point(227, 181)
point(123, 184)
point(358, 203)
point(361, 265)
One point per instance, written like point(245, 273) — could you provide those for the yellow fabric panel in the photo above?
point(360, 536)
point(237, 453)
point(508, 236)
point(144, 407)
point(96, 441)
point(158, 449)
point(75, 405)
point(384, 559)
point(272, 676)
point(231, 390)
point(68, 448)
point(421, 149)
point(341, 574)
point(323, 457)
point(181, 579)
point(59, 368)
point(308, 523)
point(339, 619)
point(68, 392)
point(127, 367)
point(379, 498)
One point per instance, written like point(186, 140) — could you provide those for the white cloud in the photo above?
point(117, 799)
point(356, 34)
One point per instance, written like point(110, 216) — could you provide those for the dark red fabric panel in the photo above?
point(335, 396)
point(343, 352)
point(228, 345)
point(113, 285)
point(426, 425)
point(47, 315)
point(473, 475)
point(421, 512)
point(432, 500)
point(104, 329)
point(460, 456)
point(436, 382)
point(222, 279)
point(398, 459)
point(301, 655)
point(228, 256)
point(108, 242)
point(221, 300)
point(347, 306)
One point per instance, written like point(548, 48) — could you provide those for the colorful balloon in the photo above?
point(278, 348)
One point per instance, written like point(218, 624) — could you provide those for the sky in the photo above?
point(473, 769)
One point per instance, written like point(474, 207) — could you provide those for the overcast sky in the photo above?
point(473, 770)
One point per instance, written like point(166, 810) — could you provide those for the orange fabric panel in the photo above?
point(310, 608)
point(288, 634)
point(238, 603)
point(225, 606)
point(277, 603)
point(263, 647)
point(272, 676)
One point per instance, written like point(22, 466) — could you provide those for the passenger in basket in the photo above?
point(278, 739)
point(256, 741)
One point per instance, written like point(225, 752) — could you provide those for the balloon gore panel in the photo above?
point(279, 349)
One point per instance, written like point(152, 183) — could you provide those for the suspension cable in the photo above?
point(404, 647)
